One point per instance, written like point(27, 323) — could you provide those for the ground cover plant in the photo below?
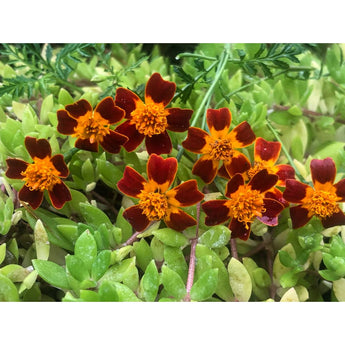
point(197, 172)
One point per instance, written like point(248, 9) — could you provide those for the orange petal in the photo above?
point(15, 168)
point(79, 108)
point(159, 90)
point(136, 218)
point(242, 135)
point(218, 121)
point(59, 195)
point(107, 109)
point(38, 147)
point(178, 220)
point(239, 163)
point(33, 197)
point(267, 151)
point(216, 212)
point(322, 171)
point(206, 168)
point(185, 194)
point(196, 141)
point(132, 183)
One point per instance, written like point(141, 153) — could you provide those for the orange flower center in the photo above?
point(246, 204)
point(150, 119)
point(41, 174)
point(221, 149)
point(153, 204)
point(322, 203)
point(92, 127)
point(258, 166)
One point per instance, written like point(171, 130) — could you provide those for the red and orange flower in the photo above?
point(219, 145)
point(92, 127)
point(156, 201)
point(245, 203)
point(43, 174)
point(151, 120)
point(320, 201)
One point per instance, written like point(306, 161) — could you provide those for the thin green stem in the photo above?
point(69, 154)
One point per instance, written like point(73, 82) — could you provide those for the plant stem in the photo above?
point(233, 248)
point(130, 240)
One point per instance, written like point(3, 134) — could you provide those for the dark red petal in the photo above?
point(239, 230)
point(126, 100)
point(295, 191)
point(132, 183)
point(79, 108)
point(109, 111)
point(216, 212)
point(223, 173)
point(15, 168)
point(270, 216)
point(299, 216)
point(242, 135)
point(33, 197)
point(263, 181)
point(196, 140)
point(186, 194)
point(322, 170)
point(159, 90)
point(161, 170)
point(335, 219)
point(39, 148)
point(66, 124)
point(179, 220)
point(284, 172)
point(134, 215)
point(178, 119)
point(206, 168)
point(159, 144)
point(218, 121)
point(85, 144)
point(340, 189)
point(134, 137)
point(232, 186)
point(59, 195)
point(113, 141)
point(266, 150)
point(276, 194)
point(60, 165)
point(239, 163)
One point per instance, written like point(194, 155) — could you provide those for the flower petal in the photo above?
point(270, 216)
point(239, 229)
point(134, 215)
point(59, 195)
point(15, 168)
point(267, 151)
point(178, 119)
point(126, 100)
point(185, 194)
point(284, 172)
point(162, 171)
point(241, 136)
point(239, 163)
point(39, 148)
point(66, 124)
point(33, 197)
point(60, 165)
point(216, 212)
point(107, 109)
point(134, 137)
point(159, 90)
point(299, 216)
point(113, 141)
point(295, 191)
point(179, 220)
point(263, 181)
point(337, 218)
point(132, 183)
point(85, 144)
point(232, 186)
point(322, 170)
point(206, 168)
point(159, 144)
point(340, 190)
point(196, 140)
point(79, 108)
point(276, 194)
point(218, 121)
point(223, 173)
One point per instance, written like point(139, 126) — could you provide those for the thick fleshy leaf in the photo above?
point(178, 219)
point(134, 215)
point(299, 216)
point(134, 137)
point(132, 183)
point(266, 150)
point(159, 144)
point(38, 147)
point(242, 135)
point(263, 181)
point(33, 197)
point(239, 163)
point(233, 184)
point(79, 108)
point(162, 171)
point(185, 194)
point(59, 195)
point(206, 168)
point(159, 90)
point(15, 168)
point(333, 220)
point(240, 280)
point(218, 121)
point(109, 111)
point(113, 141)
point(340, 190)
point(196, 140)
point(322, 170)
point(239, 229)
point(85, 144)
point(60, 165)
point(216, 212)
point(295, 191)
point(284, 172)
point(178, 119)
point(66, 123)
point(273, 208)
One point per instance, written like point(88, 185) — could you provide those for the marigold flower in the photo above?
point(151, 120)
point(92, 127)
point(219, 145)
point(245, 203)
point(156, 202)
point(320, 201)
point(43, 174)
